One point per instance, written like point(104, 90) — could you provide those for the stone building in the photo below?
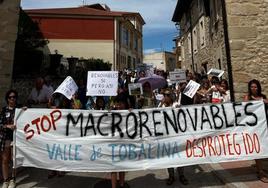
point(229, 35)
point(178, 52)
point(161, 60)
point(9, 16)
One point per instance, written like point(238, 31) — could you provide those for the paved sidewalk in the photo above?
point(37, 178)
point(238, 174)
point(241, 174)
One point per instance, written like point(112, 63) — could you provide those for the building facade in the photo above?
point(93, 31)
point(201, 36)
point(161, 60)
point(227, 35)
point(178, 52)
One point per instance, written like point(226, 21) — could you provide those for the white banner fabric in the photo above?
point(108, 141)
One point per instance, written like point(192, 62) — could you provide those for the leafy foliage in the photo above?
point(28, 58)
point(97, 65)
point(29, 34)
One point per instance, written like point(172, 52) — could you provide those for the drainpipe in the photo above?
point(227, 48)
point(114, 46)
point(192, 43)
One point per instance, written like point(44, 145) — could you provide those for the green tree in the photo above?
point(97, 65)
point(28, 57)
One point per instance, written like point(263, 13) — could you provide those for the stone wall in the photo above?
point(9, 15)
point(248, 35)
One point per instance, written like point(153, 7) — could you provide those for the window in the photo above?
point(189, 43)
point(128, 62)
point(219, 57)
point(202, 32)
point(131, 43)
point(214, 11)
point(204, 67)
point(135, 43)
point(125, 36)
point(195, 40)
point(182, 52)
point(200, 5)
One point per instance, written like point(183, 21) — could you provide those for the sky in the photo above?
point(158, 32)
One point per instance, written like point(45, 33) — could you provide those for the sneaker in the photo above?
point(5, 184)
point(12, 184)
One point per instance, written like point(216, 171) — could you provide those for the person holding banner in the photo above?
point(100, 103)
point(7, 128)
point(202, 96)
point(147, 100)
point(216, 96)
point(58, 100)
point(168, 102)
point(120, 103)
point(255, 93)
point(225, 90)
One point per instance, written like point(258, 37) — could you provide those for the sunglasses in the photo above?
point(10, 97)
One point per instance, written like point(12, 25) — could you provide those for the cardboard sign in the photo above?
point(191, 88)
point(178, 76)
point(135, 89)
point(215, 72)
point(102, 83)
point(68, 87)
point(157, 138)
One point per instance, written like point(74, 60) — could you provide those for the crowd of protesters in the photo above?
point(212, 90)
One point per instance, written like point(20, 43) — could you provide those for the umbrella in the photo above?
point(155, 81)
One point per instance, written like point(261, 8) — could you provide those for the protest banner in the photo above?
point(68, 87)
point(178, 76)
point(109, 141)
point(102, 83)
point(215, 72)
point(135, 89)
point(191, 88)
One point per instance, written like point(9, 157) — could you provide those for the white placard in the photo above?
point(159, 97)
point(215, 72)
point(102, 83)
point(157, 138)
point(177, 76)
point(191, 88)
point(68, 87)
point(135, 89)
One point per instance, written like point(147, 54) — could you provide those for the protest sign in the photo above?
point(159, 97)
point(102, 83)
point(191, 88)
point(68, 87)
point(109, 141)
point(178, 76)
point(135, 89)
point(215, 72)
